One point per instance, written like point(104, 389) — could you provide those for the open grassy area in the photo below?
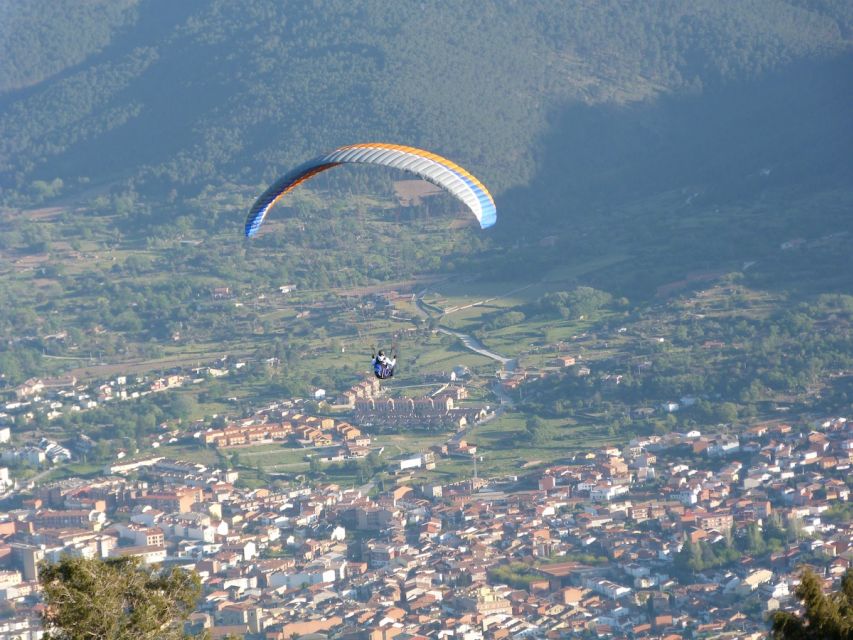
point(275, 457)
point(399, 444)
point(73, 470)
point(189, 452)
point(504, 448)
point(444, 353)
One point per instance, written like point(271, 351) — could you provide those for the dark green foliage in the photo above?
point(753, 540)
point(514, 574)
point(580, 302)
point(787, 352)
point(696, 557)
point(281, 81)
point(119, 599)
point(131, 421)
point(19, 363)
point(839, 512)
point(826, 617)
point(537, 431)
point(41, 38)
point(504, 319)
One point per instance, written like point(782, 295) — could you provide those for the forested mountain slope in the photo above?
point(204, 92)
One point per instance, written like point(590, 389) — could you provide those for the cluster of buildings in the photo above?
point(56, 396)
point(371, 407)
point(441, 409)
point(28, 455)
point(366, 389)
point(53, 398)
point(35, 455)
point(309, 431)
point(593, 546)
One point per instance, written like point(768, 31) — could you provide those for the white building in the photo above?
point(607, 588)
point(149, 555)
point(411, 463)
point(605, 493)
point(5, 480)
point(308, 575)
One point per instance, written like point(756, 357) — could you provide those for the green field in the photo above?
point(505, 446)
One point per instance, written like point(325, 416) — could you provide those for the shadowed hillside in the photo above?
point(179, 95)
point(701, 182)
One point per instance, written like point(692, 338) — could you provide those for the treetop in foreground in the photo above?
point(116, 599)
point(826, 616)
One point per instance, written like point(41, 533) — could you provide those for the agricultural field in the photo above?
point(301, 306)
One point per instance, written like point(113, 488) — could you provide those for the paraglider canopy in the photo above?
point(429, 166)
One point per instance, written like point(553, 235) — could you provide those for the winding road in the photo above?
point(476, 346)
point(473, 344)
point(470, 342)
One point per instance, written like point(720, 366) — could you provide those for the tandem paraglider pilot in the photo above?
point(383, 366)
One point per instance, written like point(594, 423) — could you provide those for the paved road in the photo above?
point(469, 341)
point(34, 480)
point(476, 346)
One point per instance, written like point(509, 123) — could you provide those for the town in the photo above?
point(671, 536)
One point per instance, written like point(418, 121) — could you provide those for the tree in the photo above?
point(753, 540)
point(689, 558)
point(726, 412)
point(826, 617)
point(537, 431)
point(116, 599)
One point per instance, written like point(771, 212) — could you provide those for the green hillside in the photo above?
point(190, 93)
point(640, 148)
point(700, 183)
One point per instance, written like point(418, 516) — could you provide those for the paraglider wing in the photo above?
point(429, 166)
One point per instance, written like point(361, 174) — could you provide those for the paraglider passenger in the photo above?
point(383, 366)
